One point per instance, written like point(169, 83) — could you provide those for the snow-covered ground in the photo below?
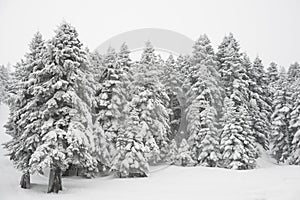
point(268, 182)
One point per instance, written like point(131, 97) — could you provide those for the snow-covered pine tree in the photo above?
point(272, 78)
point(154, 103)
point(237, 143)
point(171, 80)
point(96, 61)
point(260, 101)
point(237, 136)
point(294, 124)
point(63, 98)
point(24, 121)
point(293, 72)
point(4, 81)
point(184, 156)
point(110, 99)
point(172, 153)
point(272, 73)
point(148, 56)
point(280, 119)
point(204, 98)
point(130, 159)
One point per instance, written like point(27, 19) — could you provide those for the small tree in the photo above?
point(184, 157)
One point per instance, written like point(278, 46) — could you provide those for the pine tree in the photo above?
point(184, 157)
point(294, 125)
point(4, 81)
point(144, 135)
point(272, 78)
point(293, 72)
point(130, 159)
point(110, 99)
point(204, 98)
point(280, 119)
point(272, 73)
point(260, 102)
point(62, 94)
point(24, 122)
point(172, 153)
point(237, 144)
point(155, 102)
point(172, 84)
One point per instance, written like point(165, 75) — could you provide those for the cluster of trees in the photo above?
point(78, 112)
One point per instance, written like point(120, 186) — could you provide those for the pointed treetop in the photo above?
point(202, 49)
point(294, 71)
point(230, 42)
point(124, 49)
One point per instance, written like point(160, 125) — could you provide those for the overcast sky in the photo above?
point(268, 28)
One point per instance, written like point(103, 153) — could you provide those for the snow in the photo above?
point(268, 182)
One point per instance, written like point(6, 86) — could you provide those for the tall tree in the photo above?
point(294, 124)
point(108, 109)
point(236, 125)
point(172, 84)
point(280, 119)
point(62, 94)
point(260, 102)
point(204, 99)
point(24, 122)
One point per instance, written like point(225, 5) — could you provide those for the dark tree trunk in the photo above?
point(55, 183)
point(25, 181)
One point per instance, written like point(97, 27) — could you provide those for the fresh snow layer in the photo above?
point(268, 182)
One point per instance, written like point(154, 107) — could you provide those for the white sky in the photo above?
point(268, 28)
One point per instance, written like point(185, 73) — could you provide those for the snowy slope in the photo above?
point(269, 182)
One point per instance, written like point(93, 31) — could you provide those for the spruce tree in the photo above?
point(24, 122)
point(109, 98)
point(293, 72)
point(294, 125)
point(237, 143)
point(238, 147)
point(63, 97)
point(204, 99)
point(184, 157)
point(280, 120)
point(260, 102)
point(130, 159)
point(172, 84)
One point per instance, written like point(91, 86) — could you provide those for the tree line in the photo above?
point(77, 112)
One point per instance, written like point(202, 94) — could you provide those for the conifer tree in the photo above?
point(172, 153)
point(204, 98)
point(238, 147)
point(294, 125)
point(172, 84)
point(130, 159)
point(237, 143)
point(260, 103)
point(184, 157)
point(62, 95)
point(4, 81)
point(293, 72)
point(280, 120)
point(110, 99)
point(24, 121)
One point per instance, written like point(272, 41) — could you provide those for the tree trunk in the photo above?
point(25, 181)
point(55, 183)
